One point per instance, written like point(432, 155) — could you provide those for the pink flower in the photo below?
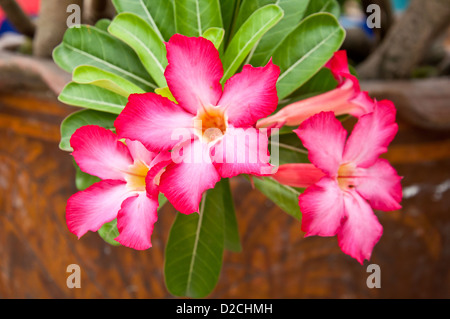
point(347, 98)
point(128, 190)
point(346, 179)
point(211, 132)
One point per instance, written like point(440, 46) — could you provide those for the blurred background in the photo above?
point(407, 60)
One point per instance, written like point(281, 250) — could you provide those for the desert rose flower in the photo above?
point(347, 98)
point(346, 179)
point(217, 126)
point(128, 190)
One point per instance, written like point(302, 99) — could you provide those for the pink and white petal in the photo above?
point(153, 120)
point(298, 175)
point(99, 152)
point(362, 103)
point(135, 221)
point(324, 137)
point(139, 152)
point(98, 204)
point(381, 186)
point(338, 101)
point(338, 65)
point(157, 167)
point(371, 135)
point(194, 72)
point(361, 229)
point(242, 151)
point(251, 94)
point(184, 181)
point(322, 207)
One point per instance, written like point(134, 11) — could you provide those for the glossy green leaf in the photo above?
point(88, 45)
point(229, 9)
point(92, 97)
point(81, 118)
point(304, 52)
point(232, 238)
point(283, 196)
point(246, 9)
point(159, 14)
point(293, 12)
point(140, 36)
point(194, 17)
point(317, 6)
point(86, 74)
point(195, 247)
point(109, 232)
point(248, 35)
point(165, 92)
point(215, 35)
point(103, 24)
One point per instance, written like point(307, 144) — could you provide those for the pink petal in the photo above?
point(322, 208)
point(99, 152)
point(184, 181)
point(371, 135)
point(337, 101)
point(156, 169)
point(381, 186)
point(139, 152)
point(242, 151)
point(98, 204)
point(194, 72)
point(324, 137)
point(135, 221)
point(153, 120)
point(361, 229)
point(251, 95)
point(338, 65)
point(298, 175)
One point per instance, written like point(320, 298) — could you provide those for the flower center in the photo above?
point(210, 124)
point(135, 176)
point(347, 176)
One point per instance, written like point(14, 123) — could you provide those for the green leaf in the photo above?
point(303, 53)
point(81, 118)
point(83, 180)
point(246, 9)
point(140, 36)
point(317, 6)
point(103, 24)
point(109, 231)
point(195, 247)
point(165, 92)
point(247, 36)
point(228, 9)
point(215, 35)
point(293, 12)
point(194, 17)
point(88, 45)
point(92, 97)
point(232, 239)
point(283, 196)
point(159, 14)
point(86, 74)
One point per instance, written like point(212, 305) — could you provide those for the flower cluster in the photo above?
point(182, 145)
point(180, 148)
